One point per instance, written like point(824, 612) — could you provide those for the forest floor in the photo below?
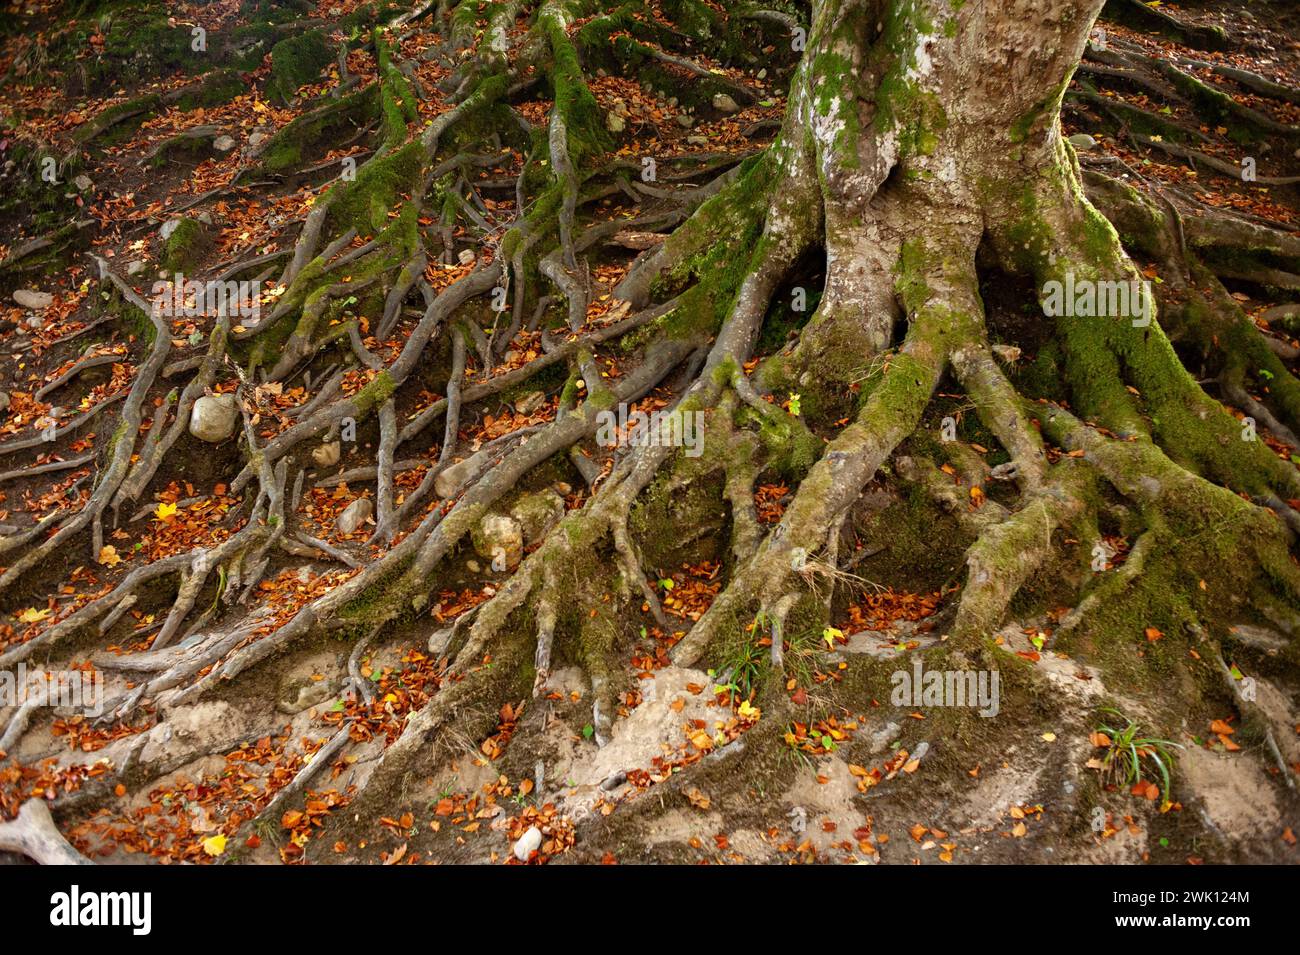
point(841, 773)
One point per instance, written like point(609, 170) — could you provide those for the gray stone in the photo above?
point(1083, 142)
point(615, 123)
point(165, 231)
point(724, 103)
point(30, 298)
point(223, 144)
point(685, 121)
point(353, 516)
point(83, 183)
point(300, 695)
point(457, 475)
point(4, 401)
point(136, 267)
point(466, 256)
point(214, 418)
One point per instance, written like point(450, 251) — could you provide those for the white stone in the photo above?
point(1083, 142)
point(528, 843)
point(223, 144)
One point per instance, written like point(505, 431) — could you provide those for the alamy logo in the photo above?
point(658, 429)
point(76, 689)
point(973, 688)
point(181, 298)
point(1084, 298)
point(103, 908)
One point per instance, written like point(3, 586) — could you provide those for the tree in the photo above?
point(920, 165)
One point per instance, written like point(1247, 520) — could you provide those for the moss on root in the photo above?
point(295, 62)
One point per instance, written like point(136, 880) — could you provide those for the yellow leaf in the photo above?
point(108, 556)
point(165, 512)
point(1050, 737)
point(214, 845)
point(748, 711)
point(32, 615)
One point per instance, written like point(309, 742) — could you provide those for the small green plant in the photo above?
point(1128, 752)
point(742, 667)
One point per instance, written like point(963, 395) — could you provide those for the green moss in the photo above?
point(379, 187)
point(185, 247)
point(374, 394)
point(215, 89)
point(309, 131)
point(295, 62)
point(134, 112)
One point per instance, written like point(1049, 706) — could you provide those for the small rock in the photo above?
point(205, 218)
point(83, 183)
point(457, 475)
point(167, 228)
point(223, 144)
point(615, 123)
point(466, 256)
point(473, 566)
point(619, 108)
point(762, 74)
point(326, 455)
point(30, 298)
point(353, 516)
point(214, 418)
point(530, 402)
point(528, 843)
point(724, 103)
point(500, 540)
point(257, 137)
point(4, 401)
point(136, 267)
point(686, 122)
point(697, 140)
point(1007, 353)
point(1083, 142)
